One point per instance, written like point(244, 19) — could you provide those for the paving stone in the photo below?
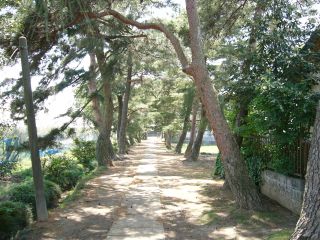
point(142, 200)
point(138, 221)
point(159, 236)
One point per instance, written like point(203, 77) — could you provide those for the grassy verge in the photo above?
point(281, 235)
point(76, 191)
point(209, 149)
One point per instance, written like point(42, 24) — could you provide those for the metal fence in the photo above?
point(297, 153)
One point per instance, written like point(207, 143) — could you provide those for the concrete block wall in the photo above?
point(287, 191)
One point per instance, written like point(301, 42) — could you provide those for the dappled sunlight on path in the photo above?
point(155, 194)
point(141, 202)
point(195, 206)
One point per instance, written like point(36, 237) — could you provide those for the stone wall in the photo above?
point(287, 191)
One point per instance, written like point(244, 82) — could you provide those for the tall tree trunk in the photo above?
point(105, 152)
point(92, 88)
point(184, 128)
point(193, 127)
point(242, 187)
point(124, 115)
point(308, 226)
point(198, 142)
point(41, 205)
point(168, 139)
point(120, 105)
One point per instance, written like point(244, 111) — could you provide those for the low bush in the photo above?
point(25, 193)
point(7, 166)
point(255, 165)
point(218, 168)
point(23, 174)
point(64, 171)
point(282, 164)
point(14, 216)
point(85, 153)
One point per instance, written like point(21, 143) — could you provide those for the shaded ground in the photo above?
point(193, 205)
point(196, 206)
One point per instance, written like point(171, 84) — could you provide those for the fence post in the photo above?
point(41, 206)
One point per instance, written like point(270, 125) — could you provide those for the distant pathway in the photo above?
point(142, 202)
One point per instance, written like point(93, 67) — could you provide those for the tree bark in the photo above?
point(198, 142)
point(308, 226)
point(105, 152)
point(193, 128)
point(41, 205)
point(184, 128)
point(242, 187)
point(124, 114)
point(92, 88)
point(120, 105)
point(168, 139)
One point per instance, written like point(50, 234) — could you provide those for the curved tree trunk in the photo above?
point(308, 226)
point(242, 187)
point(184, 128)
point(193, 128)
point(124, 114)
point(198, 142)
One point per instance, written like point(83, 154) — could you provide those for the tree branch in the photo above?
point(143, 26)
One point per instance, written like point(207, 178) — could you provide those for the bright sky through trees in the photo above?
point(61, 102)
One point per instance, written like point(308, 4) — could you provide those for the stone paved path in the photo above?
point(141, 203)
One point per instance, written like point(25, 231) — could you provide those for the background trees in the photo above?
point(254, 65)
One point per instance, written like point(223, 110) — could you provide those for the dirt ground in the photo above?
point(194, 206)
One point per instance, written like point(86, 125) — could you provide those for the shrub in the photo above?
point(255, 165)
point(25, 193)
point(7, 166)
point(218, 169)
point(14, 216)
point(85, 153)
point(282, 164)
point(64, 171)
point(24, 174)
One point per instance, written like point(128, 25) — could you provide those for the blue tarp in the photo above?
point(49, 152)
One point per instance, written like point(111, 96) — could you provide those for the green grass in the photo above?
point(212, 149)
point(75, 192)
point(24, 163)
point(281, 235)
point(209, 217)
